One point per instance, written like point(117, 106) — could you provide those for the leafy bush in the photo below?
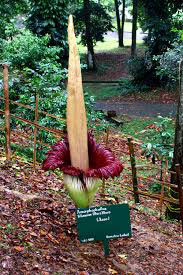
point(161, 138)
point(127, 86)
point(141, 70)
point(168, 68)
point(27, 50)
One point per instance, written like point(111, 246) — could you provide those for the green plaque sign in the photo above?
point(103, 223)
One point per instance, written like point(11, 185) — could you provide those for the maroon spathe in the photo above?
point(102, 163)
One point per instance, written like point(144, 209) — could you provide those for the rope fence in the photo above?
point(162, 197)
point(7, 113)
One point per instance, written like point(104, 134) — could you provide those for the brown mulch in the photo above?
point(110, 67)
point(39, 235)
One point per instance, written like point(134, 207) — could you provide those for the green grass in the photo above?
point(134, 126)
point(110, 45)
point(127, 26)
point(102, 91)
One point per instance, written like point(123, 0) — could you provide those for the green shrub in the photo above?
point(27, 50)
point(161, 138)
point(168, 69)
point(127, 86)
point(140, 69)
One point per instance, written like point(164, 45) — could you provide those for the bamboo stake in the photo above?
point(7, 111)
point(134, 171)
point(76, 114)
point(164, 174)
point(35, 130)
point(178, 179)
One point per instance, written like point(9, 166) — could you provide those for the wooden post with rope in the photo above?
point(7, 111)
point(134, 170)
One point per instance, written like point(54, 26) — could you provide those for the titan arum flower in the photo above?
point(82, 161)
point(82, 185)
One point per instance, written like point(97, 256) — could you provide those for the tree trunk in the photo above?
point(123, 20)
point(178, 148)
point(89, 41)
point(120, 34)
point(134, 27)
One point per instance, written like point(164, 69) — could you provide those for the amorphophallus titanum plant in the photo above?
point(82, 161)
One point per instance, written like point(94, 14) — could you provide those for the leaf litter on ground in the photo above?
point(38, 233)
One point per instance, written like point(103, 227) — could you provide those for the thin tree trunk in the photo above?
point(123, 21)
point(89, 41)
point(134, 27)
point(120, 34)
point(171, 212)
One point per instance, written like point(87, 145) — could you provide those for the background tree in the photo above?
point(120, 22)
point(88, 35)
point(91, 21)
point(178, 149)
point(50, 17)
point(134, 27)
point(123, 19)
point(156, 18)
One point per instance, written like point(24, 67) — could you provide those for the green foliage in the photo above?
point(161, 138)
point(8, 10)
point(50, 17)
point(178, 23)
point(156, 17)
point(168, 68)
point(100, 22)
point(26, 50)
point(156, 188)
point(34, 70)
point(140, 69)
point(128, 86)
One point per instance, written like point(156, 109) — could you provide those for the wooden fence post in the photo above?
point(35, 130)
point(164, 177)
point(7, 111)
point(178, 180)
point(134, 170)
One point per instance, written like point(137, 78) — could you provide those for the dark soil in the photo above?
point(110, 67)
